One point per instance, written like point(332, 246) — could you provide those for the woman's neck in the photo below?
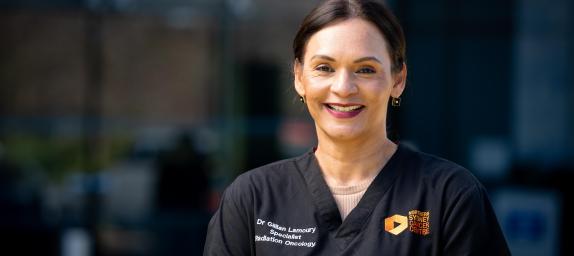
point(347, 163)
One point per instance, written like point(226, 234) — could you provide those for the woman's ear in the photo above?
point(298, 76)
point(400, 81)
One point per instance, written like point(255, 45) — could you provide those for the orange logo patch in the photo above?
point(418, 222)
point(390, 224)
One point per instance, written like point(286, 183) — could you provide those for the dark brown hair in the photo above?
point(332, 11)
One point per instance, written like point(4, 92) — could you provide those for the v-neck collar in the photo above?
point(327, 207)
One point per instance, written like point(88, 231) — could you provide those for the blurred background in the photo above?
point(122, 121)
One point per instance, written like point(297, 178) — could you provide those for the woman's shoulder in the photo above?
point(440, 172)
point(273, 173)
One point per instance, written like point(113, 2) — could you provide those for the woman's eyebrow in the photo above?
point(367, 59)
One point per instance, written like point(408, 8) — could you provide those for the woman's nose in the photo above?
point(344, 84)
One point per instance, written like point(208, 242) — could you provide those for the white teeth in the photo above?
point(345, 109)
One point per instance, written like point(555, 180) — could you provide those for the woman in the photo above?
point(357, 192)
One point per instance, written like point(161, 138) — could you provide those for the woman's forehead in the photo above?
point(353, 37)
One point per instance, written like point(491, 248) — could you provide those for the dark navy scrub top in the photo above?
point(417, 205)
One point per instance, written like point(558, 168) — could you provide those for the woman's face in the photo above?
point(346, 80)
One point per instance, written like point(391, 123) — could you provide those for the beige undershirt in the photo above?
point(347, 197)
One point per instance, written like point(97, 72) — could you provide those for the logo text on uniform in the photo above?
point(419, 222)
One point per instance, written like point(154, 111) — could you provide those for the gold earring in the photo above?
point(395, 102)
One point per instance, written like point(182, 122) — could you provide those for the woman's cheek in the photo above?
point(319, 82)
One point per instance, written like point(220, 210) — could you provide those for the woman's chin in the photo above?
point(343, 133)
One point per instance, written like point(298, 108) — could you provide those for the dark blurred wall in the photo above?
point(460, 73)
point(543, 100)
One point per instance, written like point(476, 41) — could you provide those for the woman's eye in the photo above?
point(366, 70)
point(324, 68)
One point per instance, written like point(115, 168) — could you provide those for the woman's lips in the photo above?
point(344, 110)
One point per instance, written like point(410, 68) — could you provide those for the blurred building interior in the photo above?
point(122, 121)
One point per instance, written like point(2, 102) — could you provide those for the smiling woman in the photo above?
point(347, 84)
point(360, 192)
